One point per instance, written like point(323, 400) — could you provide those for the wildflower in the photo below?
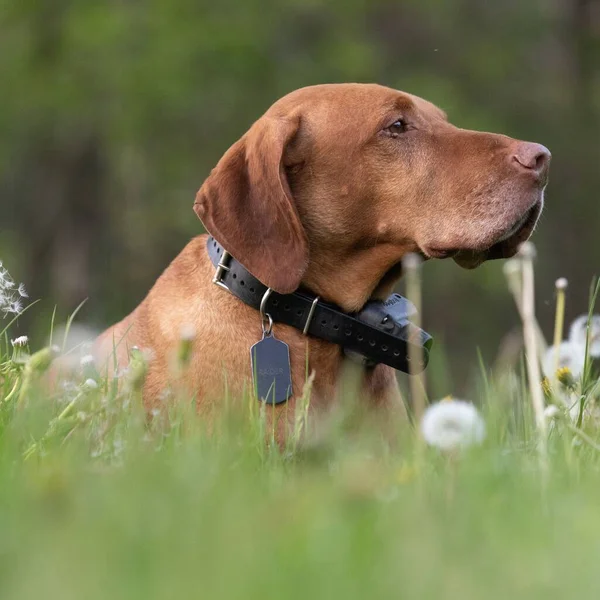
point(90, 384)
point(578, 333)
point(546, 387)
point(86, 360)
point(565, 377)
point(561, 283)
point(570, 356)
point(20, 342)
point(551, 412)
point(10, 294)
point(452, 424)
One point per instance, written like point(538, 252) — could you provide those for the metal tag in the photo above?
point(271, 370)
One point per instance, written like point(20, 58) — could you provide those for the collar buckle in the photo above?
point(221, 268)
point(311, 312)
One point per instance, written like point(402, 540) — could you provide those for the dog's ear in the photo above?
point(247, 206)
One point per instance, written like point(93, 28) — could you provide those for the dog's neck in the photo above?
point(350, 278)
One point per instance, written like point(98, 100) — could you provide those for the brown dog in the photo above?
point(328, 190)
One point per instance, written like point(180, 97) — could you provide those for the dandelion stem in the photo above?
point(533, 365)
point(418, 391)
point(559, 319)
point(12, 392)
point(514, 279)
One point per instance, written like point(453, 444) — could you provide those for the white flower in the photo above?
point(15, 307)
point(86, 360)
point(551, 412)
point(90, 384)
point(10, 294)
point(561, 283)
point(21, 341)
point(452, 424)
point(570, 355)
point(577, 333)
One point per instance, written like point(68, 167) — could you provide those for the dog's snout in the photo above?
point(533, 157)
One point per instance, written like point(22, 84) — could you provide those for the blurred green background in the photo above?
point(113, 113)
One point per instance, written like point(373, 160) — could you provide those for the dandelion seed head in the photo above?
point(90, 384)
point(21, 341)
point(15, 307)
point(86, 360)
point(561, 283)
point(570, 355)
point(10, 294)
point(578, 333)
point(551, 412)
point(452, 424)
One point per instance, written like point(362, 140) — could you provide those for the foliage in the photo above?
point(100, 498)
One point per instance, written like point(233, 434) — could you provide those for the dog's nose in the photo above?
point(533, 157)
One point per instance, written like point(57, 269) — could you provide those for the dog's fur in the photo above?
point(328, 191)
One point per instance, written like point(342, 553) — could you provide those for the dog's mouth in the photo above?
point(506, 245)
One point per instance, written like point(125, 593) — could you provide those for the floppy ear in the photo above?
point(247, 206)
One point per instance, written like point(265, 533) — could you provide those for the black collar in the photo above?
point(380, 333)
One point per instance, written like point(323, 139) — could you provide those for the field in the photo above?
point(99, 501)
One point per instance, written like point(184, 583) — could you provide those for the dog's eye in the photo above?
point(396, 128)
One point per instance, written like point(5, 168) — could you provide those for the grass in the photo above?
point(98, 500)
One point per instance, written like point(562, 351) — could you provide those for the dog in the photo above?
point(327, 192)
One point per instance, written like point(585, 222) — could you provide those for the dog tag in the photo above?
point(271, 370)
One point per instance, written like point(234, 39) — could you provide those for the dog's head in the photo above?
point(335, 183)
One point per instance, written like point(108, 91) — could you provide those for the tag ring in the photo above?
point(265, 316)
point(268, 328)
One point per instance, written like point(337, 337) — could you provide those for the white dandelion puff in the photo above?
point(578, 333)
point(21, 341)
point(86, 360)
point(570, 356)
point(90, 384)
point(452, 424)
point(15, 307)
point(10, 294)
point(22, 291)
point(551, 412)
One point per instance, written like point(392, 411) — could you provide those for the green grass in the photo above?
point(100, 500)
point(104, 503)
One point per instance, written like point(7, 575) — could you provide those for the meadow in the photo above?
point(100, 500)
